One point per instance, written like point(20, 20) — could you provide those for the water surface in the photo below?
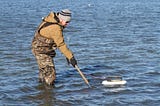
point(107, 37)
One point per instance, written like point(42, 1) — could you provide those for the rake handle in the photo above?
point(82, 75)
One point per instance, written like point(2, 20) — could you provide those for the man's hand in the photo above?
point(67, 61)
point(73, 61)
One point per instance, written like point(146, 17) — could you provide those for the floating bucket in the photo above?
point(112, 81)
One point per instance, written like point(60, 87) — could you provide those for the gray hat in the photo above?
point(65, 15)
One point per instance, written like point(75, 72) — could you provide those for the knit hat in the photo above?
point(65, 15)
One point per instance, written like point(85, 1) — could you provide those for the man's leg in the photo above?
point(47, 71)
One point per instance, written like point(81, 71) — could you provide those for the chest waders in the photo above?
point(44, 51)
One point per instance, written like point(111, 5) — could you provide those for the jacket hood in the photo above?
point(51, 18)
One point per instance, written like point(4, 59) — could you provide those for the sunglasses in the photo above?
point(67, 21)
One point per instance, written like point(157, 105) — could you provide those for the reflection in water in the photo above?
point(112, 38)
point(114, 89)
point(45, 96)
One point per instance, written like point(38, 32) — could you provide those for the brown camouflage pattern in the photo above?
point(44, 51)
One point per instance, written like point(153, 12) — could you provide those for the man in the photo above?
point(48, 37)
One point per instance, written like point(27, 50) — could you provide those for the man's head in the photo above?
point(64, 16)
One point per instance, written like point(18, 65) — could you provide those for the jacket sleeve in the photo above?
point(59, 40)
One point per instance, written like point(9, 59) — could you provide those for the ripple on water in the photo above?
point(111, 38)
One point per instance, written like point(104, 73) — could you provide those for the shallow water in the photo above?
point(107, 37)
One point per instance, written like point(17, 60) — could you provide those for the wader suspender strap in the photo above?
point(45, 25)
point(49, 23)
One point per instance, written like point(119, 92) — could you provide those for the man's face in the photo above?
point(64, 23)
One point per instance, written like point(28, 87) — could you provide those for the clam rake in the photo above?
point(82, 75)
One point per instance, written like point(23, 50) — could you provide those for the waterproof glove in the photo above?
point(73, 61)
point(68, 61)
